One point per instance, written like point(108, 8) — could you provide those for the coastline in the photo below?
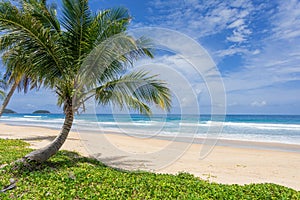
point(230, 162)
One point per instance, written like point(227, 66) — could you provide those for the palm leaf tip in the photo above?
point(2, 94)
point(137, 91)
point(149, 89)
point(164, 98)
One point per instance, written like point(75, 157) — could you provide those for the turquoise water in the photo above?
point(261, 128)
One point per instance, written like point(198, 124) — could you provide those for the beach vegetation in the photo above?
point(80, 55)
point(67, 175)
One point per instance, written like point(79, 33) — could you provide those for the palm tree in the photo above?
point(8, 97)
point(16, 78)
point(81, 56)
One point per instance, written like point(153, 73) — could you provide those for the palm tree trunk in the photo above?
point(45, 153)
point(8, 97)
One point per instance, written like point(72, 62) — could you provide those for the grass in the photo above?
point(70, 176)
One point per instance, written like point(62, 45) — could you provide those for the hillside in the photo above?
point(9, 111)
point(41, 112)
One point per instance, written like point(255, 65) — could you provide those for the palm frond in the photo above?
point(7, 41)
point(111, 58)
point(111, 22)
point(46, 14)
point(2, 94)
point(18, 70)
point(76, 20)
point(135, 90)
point(39, 43)
point(3, 86)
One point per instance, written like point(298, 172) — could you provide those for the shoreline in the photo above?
point(248, 144)
point(283, 129)
point(229, 162)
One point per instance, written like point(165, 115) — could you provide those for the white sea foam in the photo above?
point(248, 131)
point(264, 126)
point(32, 116)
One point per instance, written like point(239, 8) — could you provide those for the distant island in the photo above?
point(41, 112)
point(9, 111)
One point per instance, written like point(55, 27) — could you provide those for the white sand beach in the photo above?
point(228, 164)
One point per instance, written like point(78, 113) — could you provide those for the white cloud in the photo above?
point(277, 60)
point(229, 51)
point(286, 21)
point(191, 76)
point(240, 34)
point(199, 19)
point(255, 52)
point(31, 106)
point(236, 23)
point(258, 103)
point(264, 34)
point(236, 37)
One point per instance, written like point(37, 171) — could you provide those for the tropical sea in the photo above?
point(257, 128)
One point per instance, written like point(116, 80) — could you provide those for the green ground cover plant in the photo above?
point(70, 176)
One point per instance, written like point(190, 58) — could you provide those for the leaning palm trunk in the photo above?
point(90, 57)
point(45, 153)
point(8, 97)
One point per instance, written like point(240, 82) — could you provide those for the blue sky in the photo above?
point(254, 44)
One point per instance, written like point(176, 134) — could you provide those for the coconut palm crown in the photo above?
point(80, 55)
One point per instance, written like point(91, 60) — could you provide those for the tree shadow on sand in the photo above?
point(124, 162)
point(50, 138)
point(70, 159)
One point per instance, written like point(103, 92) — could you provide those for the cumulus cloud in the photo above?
point(258, 103)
